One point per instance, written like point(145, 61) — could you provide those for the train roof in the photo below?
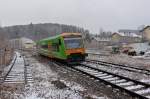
point(60, 35)
point(66, 34)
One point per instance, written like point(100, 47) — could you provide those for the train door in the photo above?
point(50, 49)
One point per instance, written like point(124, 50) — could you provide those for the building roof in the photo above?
point(145, 28)
point(128, 31)
point(26, 40)
point(67, 34)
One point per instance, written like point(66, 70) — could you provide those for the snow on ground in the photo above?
point(143, 91)
point(123, 59)
point(134, 87)
point(73, 85)
point(125, 73)
point(42, 88)
point(49, 85)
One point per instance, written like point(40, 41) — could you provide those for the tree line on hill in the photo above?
point(39, 31)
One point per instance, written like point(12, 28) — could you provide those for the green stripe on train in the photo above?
point(56, 47)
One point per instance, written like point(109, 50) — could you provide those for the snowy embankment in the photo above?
point(122, 59)
point(48, 85)
point(125, 60)
point(43, 88)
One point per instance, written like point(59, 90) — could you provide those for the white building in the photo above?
point(21, 43)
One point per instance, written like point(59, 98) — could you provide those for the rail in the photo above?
point(12, 64)
point(120, 66)
point(105, 77)
point(98, 54)
point(27, 75)
point(25, 69)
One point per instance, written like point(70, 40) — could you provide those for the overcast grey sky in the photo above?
point(91, 14)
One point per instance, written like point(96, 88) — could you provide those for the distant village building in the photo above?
point(99, 42)
point(27, 43)
point(127, 37)
point(15, 43)
point(146, 33)
point(22, 43)
point(102, 41)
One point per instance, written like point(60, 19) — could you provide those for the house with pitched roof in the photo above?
point(146, 33)
point(119, 38)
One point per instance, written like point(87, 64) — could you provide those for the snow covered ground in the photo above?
point(42, 88)
point(126, 60)
point(52, 82)
point(47, 85)
point(123, 59)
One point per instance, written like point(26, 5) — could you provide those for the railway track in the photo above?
point(135, 88)
point(98, 54)
point(27, 72)
point(120, 66)
point(18, 71)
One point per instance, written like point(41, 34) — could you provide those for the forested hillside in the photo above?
point(39, 31)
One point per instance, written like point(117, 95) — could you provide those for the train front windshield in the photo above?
point(71, 43)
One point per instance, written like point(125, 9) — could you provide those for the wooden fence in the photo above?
point(6, 55)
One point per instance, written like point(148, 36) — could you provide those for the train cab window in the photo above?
point(71, 43)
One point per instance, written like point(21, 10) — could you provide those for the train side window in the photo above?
point(55, 47)
point(44, 46)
